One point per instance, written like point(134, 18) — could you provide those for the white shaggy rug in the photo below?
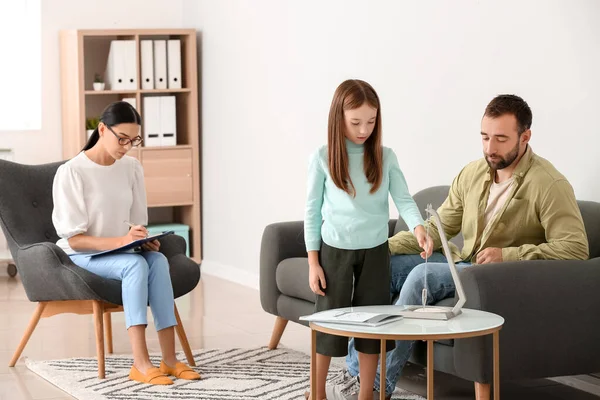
point(227, 374)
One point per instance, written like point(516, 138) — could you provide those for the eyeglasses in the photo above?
point(136, 141)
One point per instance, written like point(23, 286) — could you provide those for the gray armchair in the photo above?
point(48, 275)
point(550, 307)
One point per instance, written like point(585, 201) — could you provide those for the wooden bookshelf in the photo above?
point(172, 174)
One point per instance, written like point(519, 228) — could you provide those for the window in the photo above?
point(20, 65)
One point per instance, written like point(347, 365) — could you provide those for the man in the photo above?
point(511, 205)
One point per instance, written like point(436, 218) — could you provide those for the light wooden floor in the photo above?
point(217, 314)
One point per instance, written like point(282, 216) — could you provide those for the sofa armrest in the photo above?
point(280, 241)
point(49, 274)
point(551, 311)
point(185, 272)
point(172, 245)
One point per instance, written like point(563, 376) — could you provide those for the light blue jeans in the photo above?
point(408, 280)
point(145, 279)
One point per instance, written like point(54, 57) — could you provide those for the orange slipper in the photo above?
point(181, 371)
point(153, 376)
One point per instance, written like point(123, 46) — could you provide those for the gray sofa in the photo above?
point(551, 308)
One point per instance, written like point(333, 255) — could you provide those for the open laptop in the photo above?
point(435, 312)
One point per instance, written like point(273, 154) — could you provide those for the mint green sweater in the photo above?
point(360, 222)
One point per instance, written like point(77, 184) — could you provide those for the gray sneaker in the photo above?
point(343, 386)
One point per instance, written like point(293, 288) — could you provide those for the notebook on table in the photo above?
point(350, 317)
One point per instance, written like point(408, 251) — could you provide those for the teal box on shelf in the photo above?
point(179, 229)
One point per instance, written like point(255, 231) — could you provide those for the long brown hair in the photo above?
point(349, 95)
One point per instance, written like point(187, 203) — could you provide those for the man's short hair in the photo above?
point(513, 105)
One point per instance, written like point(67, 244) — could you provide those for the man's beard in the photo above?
point(503, 162)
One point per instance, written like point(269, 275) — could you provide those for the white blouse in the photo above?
point(96, 199)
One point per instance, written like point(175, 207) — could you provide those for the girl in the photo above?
point(346, 222)
point(96, 194)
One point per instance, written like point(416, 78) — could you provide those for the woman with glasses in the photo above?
point(100, 204)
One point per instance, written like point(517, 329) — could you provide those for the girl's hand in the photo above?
point(425, 241)
point(316, 279)
point(151, 246)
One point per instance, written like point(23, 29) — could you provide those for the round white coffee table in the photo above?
point(470, 323)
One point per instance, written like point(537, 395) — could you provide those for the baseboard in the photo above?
point(230, 273)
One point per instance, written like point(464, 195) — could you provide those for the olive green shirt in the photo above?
point(539, 221)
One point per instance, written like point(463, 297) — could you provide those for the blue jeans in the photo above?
point(145, 279)
point(408, 280)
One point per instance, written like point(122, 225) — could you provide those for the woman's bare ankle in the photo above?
point(170, 361)
point(143, 366)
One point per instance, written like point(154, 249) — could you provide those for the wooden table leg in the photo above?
point(497, 365)
point(313, 365)
point(382, 371)
point(430, 370)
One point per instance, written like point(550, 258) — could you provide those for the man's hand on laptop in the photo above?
point(489, 255)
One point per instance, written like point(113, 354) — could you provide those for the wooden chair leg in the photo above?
point(35, 318)
point(183, 340)
point(108, 332)
point(98, 307)
point(280, 324)
point(482, 391)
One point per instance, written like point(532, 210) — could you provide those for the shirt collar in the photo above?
point(521, 169)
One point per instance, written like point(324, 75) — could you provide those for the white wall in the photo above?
point(36, 147)
point(269, 69)
point(45, 145)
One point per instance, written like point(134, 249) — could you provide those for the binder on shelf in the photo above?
point(151, 121)
point(130, 100)
point(115, 66)
point(160, 121)
point(160, 64)
point(168, 121)
point(130, 59)
point(121, 70)
point(147, 56)
point(174, 63)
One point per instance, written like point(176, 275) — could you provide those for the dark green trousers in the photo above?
point(353, 278)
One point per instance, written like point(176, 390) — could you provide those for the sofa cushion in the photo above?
point(292, 278)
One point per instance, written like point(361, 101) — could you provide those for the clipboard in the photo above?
point(133, 245)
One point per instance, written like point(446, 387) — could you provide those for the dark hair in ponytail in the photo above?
point(120, 112)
